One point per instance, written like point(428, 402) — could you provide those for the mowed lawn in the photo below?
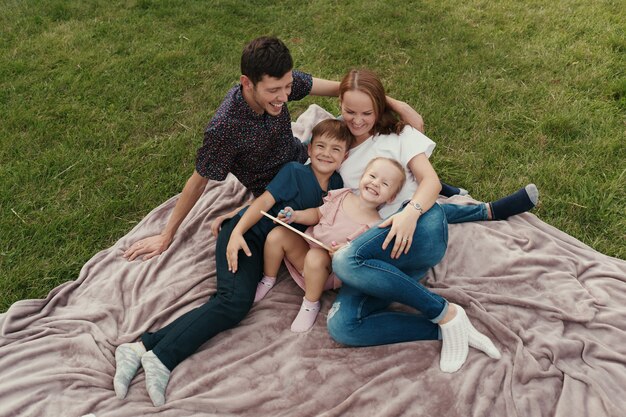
point(103, 105)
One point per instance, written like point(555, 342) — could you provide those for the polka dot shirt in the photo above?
point(250, 145)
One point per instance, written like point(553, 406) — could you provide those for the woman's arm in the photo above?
point(322, 87)
point(407, 113)
point(236, 242)
point(403, 223)
point(428, 180)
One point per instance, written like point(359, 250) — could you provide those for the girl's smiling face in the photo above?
point(359, 114)
point(380, 182)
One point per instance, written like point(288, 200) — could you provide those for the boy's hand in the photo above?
point(235, 244)
point(287, 215)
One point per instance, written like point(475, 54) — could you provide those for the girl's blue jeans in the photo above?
point(372, 281)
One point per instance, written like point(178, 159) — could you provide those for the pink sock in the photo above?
point(306, 316)
point(263, 287)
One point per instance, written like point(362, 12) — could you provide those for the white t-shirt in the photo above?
point(403, 147)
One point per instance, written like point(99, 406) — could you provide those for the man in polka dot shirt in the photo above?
point(250, 134)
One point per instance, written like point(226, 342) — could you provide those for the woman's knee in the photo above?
point(343, 263)
point(339, 324)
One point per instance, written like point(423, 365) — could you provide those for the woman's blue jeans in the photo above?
point(372, 280)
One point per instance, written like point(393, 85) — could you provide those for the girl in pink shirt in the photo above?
point(343, 216)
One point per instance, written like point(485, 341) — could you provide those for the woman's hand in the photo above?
point(150, 247)
point(402, 228)
point(235, 244)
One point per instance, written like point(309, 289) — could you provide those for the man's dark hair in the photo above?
point(265, 56)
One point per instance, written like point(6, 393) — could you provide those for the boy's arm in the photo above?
point(322, 87)
point(407, 113)
point(157, 244)
point(237, 242)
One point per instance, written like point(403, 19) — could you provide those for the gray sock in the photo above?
point(157, 377)
point(127, 361)
point(533, 193)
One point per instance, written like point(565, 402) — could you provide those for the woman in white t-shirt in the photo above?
point(385, 264)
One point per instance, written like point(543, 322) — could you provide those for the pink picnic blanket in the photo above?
point(554, 307)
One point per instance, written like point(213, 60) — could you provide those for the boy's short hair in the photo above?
point(265, 56)
point(395, 163)
point(334, 128)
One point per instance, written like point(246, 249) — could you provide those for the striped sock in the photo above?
point(479, 341)
point(455, 347)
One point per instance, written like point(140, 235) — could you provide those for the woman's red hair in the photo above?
point(368, 83)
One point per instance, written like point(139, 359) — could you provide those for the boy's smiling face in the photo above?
point(327, 154)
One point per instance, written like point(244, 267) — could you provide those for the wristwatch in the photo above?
point(417, 207)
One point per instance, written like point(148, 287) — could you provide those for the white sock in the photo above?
point(479, 341)
point(127, 361)
point(455, 347)
point(157, 377)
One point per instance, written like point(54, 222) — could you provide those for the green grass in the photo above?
point(103, 104)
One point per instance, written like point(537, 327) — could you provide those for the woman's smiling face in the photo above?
point(358, 112)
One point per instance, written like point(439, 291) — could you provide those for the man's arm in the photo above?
point(155, 245)
point(322, 87)
point(407, 113)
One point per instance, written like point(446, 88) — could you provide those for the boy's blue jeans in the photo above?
point(372, 281)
